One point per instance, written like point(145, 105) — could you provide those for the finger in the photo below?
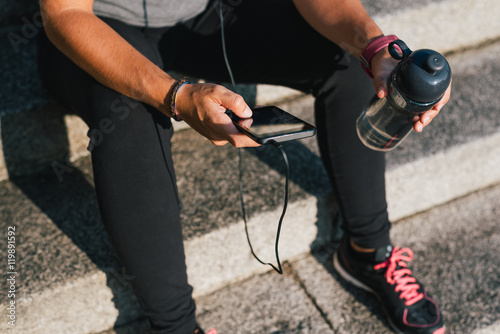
point(214, 128)
point(241, 140)
point(246, 122)
point(425, 119)
point(428, 116)
point(219, 142)
point(235, 103)
point(225, 131)
point(238, 139)
point(380, 87)
point(444, 99)
point(382, 67)
point(418, 126)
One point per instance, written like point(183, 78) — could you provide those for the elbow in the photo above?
point(59, 16)
point(53, 10)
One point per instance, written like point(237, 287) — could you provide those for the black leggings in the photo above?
point(267, 42)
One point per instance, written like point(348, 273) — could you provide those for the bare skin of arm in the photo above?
point(347, 24)
point(101, 52)
point(105, 55)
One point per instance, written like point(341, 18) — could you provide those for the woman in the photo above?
point(100, 53)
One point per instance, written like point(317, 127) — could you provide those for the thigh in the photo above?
point(357, 173)
point(266, 42)
point(130, 144)
point(69, 84)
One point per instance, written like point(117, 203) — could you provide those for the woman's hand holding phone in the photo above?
point(272, 124)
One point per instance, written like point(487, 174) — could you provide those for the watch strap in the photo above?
point(372, 49)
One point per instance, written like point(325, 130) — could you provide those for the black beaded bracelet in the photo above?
point(175, 88)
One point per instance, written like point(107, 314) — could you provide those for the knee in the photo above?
point(118, 121)
point(347, 81)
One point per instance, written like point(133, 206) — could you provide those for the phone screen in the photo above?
point(273, 123)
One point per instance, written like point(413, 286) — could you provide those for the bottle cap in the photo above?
point(422, 75)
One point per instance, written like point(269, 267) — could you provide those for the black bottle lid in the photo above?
point(422, 75)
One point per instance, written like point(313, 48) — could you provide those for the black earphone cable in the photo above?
point(278, 269)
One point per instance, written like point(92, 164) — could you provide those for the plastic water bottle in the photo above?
point(417, 83)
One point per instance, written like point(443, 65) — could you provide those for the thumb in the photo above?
point(382, 66)
point(380, 87)
point(236, 104)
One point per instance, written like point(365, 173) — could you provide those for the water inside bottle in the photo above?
point(374, 138)
point(381, 127)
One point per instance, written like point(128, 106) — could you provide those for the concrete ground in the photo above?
point(456, 247)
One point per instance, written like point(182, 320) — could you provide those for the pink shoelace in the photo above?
point(212, 331)
point(402, 277)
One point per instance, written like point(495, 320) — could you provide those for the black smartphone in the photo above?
point(271, 123)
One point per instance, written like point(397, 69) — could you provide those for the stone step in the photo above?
point(69, 280)
point(43, 135)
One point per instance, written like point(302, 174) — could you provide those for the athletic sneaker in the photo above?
point(406, 302)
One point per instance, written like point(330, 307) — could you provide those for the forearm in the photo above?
point(344, 22)
point(106, 56)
